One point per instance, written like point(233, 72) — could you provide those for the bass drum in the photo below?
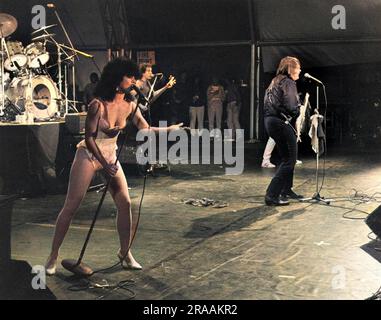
point(40, 90)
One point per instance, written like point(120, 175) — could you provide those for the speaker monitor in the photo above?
point(374, 222)
point(75, 123)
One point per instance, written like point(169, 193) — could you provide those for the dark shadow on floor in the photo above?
point(234, 221)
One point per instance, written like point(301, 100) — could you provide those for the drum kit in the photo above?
point(26, 87)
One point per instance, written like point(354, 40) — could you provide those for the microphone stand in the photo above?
point(317, 197)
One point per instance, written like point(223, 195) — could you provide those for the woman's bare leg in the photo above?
point(81, 173)
point(120, 194)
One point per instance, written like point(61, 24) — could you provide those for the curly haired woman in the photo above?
point(106, 117)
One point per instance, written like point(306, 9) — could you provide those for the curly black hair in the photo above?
point(112, 76)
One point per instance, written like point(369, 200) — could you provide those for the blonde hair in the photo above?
point(286, 64)
point(284, 69)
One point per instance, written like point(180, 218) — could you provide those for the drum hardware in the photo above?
point(69, 53)
point(11, 110)
point(66, 91)
point(8, 25)
point(86, 55)
point(61, 50)
point(66, 59)
point(7, 80)
point(71, 48)
point(30, 89)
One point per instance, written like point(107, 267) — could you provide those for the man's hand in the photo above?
point(171, 82)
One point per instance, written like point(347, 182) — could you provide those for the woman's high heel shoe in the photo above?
point(129, 262)
point(51, 268)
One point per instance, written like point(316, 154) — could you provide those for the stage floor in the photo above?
point(243, 251)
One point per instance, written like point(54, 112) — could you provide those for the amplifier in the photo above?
point(75, 122)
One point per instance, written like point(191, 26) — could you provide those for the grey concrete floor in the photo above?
point(243, 251)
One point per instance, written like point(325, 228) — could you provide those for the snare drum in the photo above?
point(17, 59)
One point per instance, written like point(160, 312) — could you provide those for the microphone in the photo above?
point(308, 76)
point(137, 90)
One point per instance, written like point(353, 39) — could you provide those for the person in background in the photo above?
point(215, 97)
point(266, 163)
point(270, 145)
point(88, 93)
point(145, 86)
point(233, 99)
point(197, 107)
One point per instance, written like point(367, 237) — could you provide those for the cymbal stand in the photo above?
point(66, 91)
point(3, 47)
point(71, 48)
point(2, 74)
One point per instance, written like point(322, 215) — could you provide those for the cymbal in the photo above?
point(43, 28)
point(44, 36)
point(8, 25)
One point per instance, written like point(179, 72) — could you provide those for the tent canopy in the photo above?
point(281, 27)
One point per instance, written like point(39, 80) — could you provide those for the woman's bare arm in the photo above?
point(142, 124)
point(91, 128)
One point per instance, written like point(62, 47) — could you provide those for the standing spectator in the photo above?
point(270, 145)
point(197, 107)
point(215, 95)
point(233, 99)
point(88, 94)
